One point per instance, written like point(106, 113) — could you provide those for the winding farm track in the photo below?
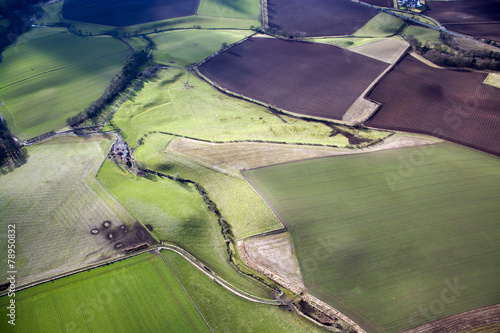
point(185, 254)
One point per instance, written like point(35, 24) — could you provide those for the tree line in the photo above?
point(130, 70)
point(12, 153)
point(451, 54)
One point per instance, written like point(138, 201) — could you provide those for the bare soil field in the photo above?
point(471, 17)
point(450, 104)
point(381, 3)
point(463, 322)
point(122, 13)
point(318, 17)
point(276, 253)
point(386, 50)
point(308, 78)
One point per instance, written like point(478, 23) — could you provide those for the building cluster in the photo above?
point(410, 3)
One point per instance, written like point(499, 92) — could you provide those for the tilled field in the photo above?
point(454, 105)
point(471, 17)
point(318, 17)
point(382, 3)
point(312, 79)
point(127, 12)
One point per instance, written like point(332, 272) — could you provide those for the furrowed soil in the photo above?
point(318, 17)
point(471, 17)
point(381, 3)
point(450, 104)
point(308, 78)
point(122, 13)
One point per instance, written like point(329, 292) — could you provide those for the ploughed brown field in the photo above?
point(451, 104)
point(318, 17)
point(479, 18)
point(121, 13)
point(308, 78)
point(382, 3)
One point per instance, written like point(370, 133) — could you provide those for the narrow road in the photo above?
point(185, 254)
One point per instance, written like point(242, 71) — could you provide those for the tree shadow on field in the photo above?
point(172, 80)
point(231, 4)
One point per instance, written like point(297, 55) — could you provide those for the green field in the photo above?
point(212, 14)
point(54, 201)
point(139, 294)
point(380, 26)
point(50, 74)
point(188, 47)
point(180, 103)
point(178, 215)
point(395, 238)
point(242, 9)
point(423, 34)
point(226, 312)
point(239, 204)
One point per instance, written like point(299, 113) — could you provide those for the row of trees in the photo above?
point(453, 55)
point(129, 72)
point(12, 153)
point(280, 32)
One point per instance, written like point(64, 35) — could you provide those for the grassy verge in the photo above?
point(389, 237)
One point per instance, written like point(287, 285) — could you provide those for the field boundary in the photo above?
point(313, 301)
point(280, 111)
point(351, 116)
point(264, 15)
point(185, 254)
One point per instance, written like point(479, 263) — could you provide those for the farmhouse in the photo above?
point(410, 3)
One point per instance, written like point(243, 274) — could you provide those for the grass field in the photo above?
point(54, 201)
point(226, 312)
point(50, 74)
point(178, 215)
point(239, 204)
point(380, 26)
point(242, 9)
point(396, 238)
point(180, 103)
point(211, 19)
point(423, 34)
point(139, 294)
point(188, 47)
